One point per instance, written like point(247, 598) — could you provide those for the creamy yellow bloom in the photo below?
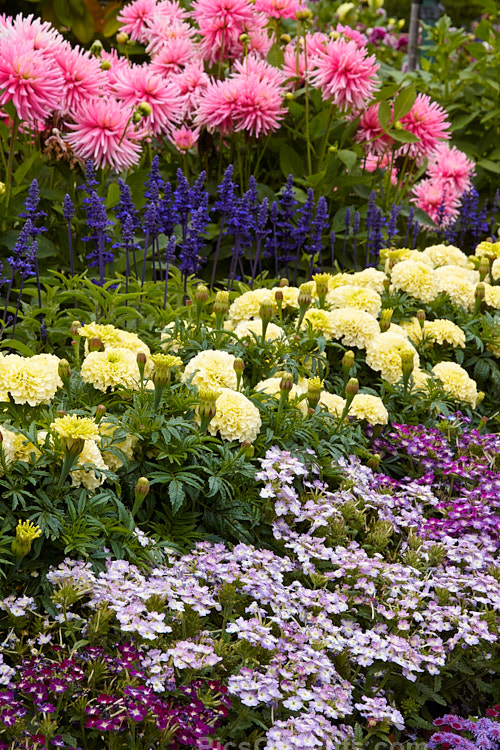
point(236, 418)
point(368, 407)
point(435, 332)
point(30, 380)
point(492, 296)
point(113, 367)
point(333, 403)
point(358, 297)
point(8, 446)
point(339, 279)
point(4, 396)
point(420, 379)
point(113, 337)
point(24, 450)
point(26, 531)
point(495, 269)
point(248, 304)
point(247, 328)
point(444, 255)
point(456, 272)
point(290, 296)
point(383, 353)
point(391, 257)
point(89, 478)
point(456, 381)
point(73, 426)
point(212, 369)
point(490, 249)
point(460, 291)
point(353, 327)
point(416, 279)
point(318, 321)
point(369, 278)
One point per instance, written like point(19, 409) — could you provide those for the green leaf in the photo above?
point(489, 5)
point(291, 162)
point(176, 494)
point(113, 197)
point(404, 136)
point(25, 167)
point(491, 166)
point(349, 158)
point(275, 56)
point(384, 115)
point(404, 102)
point(18, 345)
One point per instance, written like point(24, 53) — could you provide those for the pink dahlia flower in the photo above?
point(139, 84)
point(191, 83)
point(452, 167)
point(40, 34)
point(372, 162)
point(103, 132)
point(164, 30)
point(345, 74)
point(216, 107)
point(30, 79)
point(82, 75)
point(295, 66)
point(173, 56)
point(116, 62)
point(221, 22)
point(259, 105)
point(135, 17)
point(184, 138)
point(261, 69)
point(353, 34)
point(370, 132)
point(428, 121)
point(436, 199)
point(278, 8)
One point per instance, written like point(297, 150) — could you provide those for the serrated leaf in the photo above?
point(176, 494)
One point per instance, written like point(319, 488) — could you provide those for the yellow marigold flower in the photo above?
point(113, 337)
point(110, 368)
point(420, 379)
point(88, 478)
point(319, 321)
point(436, 332)
point(393, 256)
point(445, 255)
point(211, 369)
point(334, 404)
point(456, 381)
point(272, 387)
point(490, 249)
point(416, 279)
point(383, 353)
point(460, 291)
point(4, 396)
point(358, 297)
point(246, 328)
point(339, 279)
point(30, 380)
point(24, 450)
point(165, 361)
point(353, 327)
point(396, 328)
point(290, 296)
point(236, 418)
point(26, 531)
point(369, 278)
point(456, 272)
point(248, 304)
point(73, 426)
point(495, 269)
point(492, 296)
point(126, 445)
point(368, 407)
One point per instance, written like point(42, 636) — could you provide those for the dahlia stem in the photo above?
point(306, 82)
point(325, 139)
point(8, 178)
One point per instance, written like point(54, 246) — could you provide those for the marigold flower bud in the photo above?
point(26, 533)
point(373, 462)
point(75, 327)
point(314, 388)
point(142, 487)
point(352, 387)
point(95, 344)
point(266, 310)
point(64, 370)
point(201, 294)
point(247, 449)
point(239, 366)
point(61, 412)
point(221, 303)
point(480, 292)
point(348, 360)
point(2, 188)
point(407, 364)
point(100, 411)
point(484, 267)
point(385, 319)
point(284, 282)
point(305, 298)
point(421, 317)
point(278, 296)
point(286, 382)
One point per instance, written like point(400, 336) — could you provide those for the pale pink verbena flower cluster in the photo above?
point(411, 630)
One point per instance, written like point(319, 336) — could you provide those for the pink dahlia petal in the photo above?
point(139, 84)
point(191, 83)
point(355, 36)
point(136, 16)
point(103, 132)
point(255, 66)
point(221, 22)
point(184, 138)
point(345, 74)
point(278, 8)
point(30, 79)
point(428, 121)
point(173, 56)
point(216, 107)
point(83, 77)
point(259, 105)
point(370, 132)
point(116, 63)
point(295, 66)
point(436, 199)
point(163, 30)
point(452, 167)
point(40, 34)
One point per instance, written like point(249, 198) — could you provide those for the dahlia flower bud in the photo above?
point(244, 38)
point(285, 39)
point(303, 14)
point(122, 37)
point(95, 344)
point(385, 319)
point(96, 48)
point(26, 533)
point(105, 65)
point(144, 108)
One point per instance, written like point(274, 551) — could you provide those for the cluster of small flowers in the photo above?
point(464, 465)
point(466, 734)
